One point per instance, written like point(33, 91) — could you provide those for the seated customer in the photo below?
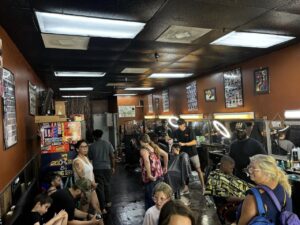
point(55, 182)
point(179, 170)
point(227, 190)
point(67, 198)
point(41, 204)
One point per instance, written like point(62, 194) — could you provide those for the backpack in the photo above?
point(261, 218)
point(285, 217)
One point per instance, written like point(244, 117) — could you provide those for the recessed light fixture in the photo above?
point(170, 75)
point(65, 41)
point(139, 88)
point(134, 70)
point(124, 94)
point(78, 74)
point(74, 96)
point(251, 40)
point(76, 89)
point(55, 23)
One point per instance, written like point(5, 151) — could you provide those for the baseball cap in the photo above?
point(181, 121)
point(241, 126)
point(84, 184)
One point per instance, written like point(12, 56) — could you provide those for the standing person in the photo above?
point(263, 170)
point(242, 149)
point(174, 212)
point(187, 140)
point(41, 204)
point(162, 193)
point(83, 168)
point(101, 153)
point(152, 171)
point(164, 133)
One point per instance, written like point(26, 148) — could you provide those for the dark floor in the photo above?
point(128, 200)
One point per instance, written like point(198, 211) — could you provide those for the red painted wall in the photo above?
point(15, 158)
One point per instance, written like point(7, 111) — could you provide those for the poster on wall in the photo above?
point(32, 98)
point(150, 103)
point(191, 93)
point(165, 99)
point(9, 109)
point(233, 88)
point(126, 111)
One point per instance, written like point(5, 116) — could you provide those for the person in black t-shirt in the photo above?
point(242, 149)
point(187, 140)
point(67, 198)
point(164, 133)
point(41, 204)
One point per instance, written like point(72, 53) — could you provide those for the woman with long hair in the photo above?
point(83, 168)
point(152, 170)
point(263, 170)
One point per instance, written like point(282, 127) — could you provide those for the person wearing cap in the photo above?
point(66, 199)
point(242, 149)
point(187, 140)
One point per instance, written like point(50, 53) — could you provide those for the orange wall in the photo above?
point(284, 72)
point(14, 159)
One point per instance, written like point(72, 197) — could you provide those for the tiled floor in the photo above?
point(128, 201)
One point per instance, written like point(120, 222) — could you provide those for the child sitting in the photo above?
point(162, 193)
point(41, 204)
point(55, 182)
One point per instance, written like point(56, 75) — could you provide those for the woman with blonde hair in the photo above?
point(152, 171)
point(263, 170)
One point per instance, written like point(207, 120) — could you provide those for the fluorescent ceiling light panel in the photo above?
point(77, 89)
point(181, 34)
point(74, 96)
point(139, 88)
point(54, 23)
point(251, 40)
point(78, 74)
point(65, 41)
point(117, 84)
point(292, 114)
point(170, 75)
point(124, 94)
point(134, 70)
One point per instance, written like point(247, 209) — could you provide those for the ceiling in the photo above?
point(113, 55)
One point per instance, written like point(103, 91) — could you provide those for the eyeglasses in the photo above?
point(84, 146)
point(156, 199)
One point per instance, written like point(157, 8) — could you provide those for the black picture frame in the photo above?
point(233, 88)
point(9, 113)
point(32, 98)
point(261, 81)
point(210, 95)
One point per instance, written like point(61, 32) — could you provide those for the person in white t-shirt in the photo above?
point(162, 193)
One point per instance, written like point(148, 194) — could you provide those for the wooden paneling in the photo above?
point(14, 159)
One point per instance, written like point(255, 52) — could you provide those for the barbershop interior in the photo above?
point(149, 112)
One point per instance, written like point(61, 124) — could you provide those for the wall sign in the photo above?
point(233, 88)
point(9, 109)
point(150, 103)
point(32, 98)
point(191, 93)
point(261, 81)
point(165, 101)
point(126, 111)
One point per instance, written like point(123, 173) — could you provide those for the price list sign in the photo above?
point(191, 93)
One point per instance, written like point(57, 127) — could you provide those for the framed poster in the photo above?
point(233, 88)
point(150, 103)
point(126, 111)
point(165, 101)
point(191, 93)
point(156, 106)
point(261, 81)
point(9, 109)
point(32, 98)
point(210, 95)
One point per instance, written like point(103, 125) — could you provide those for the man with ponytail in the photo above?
point(264, 172)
